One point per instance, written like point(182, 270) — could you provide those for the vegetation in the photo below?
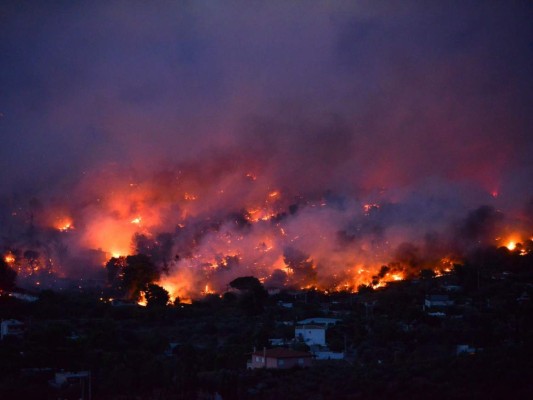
point(394, 348)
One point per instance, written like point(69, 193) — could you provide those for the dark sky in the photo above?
point(347, 95)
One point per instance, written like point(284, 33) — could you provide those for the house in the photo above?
point(72, 385)
point(326, 354)
point(285, 304)
point(319, 321)
point(279, 358)
point(438, 300)
point(11, 327)
point(276, 342)
point(452, 288)
point(311, 334)
point(465, 349)
point(524, 298)
point(64, 379)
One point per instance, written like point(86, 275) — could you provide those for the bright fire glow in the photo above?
point(511, 245)
point(9, 258)
point(397, 277)
point(142, 301)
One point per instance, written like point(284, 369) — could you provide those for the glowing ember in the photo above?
point(367, 208)
point(207, 290)
point(136, 221)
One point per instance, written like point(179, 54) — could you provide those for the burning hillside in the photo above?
point(331, 145)
point(204, 228)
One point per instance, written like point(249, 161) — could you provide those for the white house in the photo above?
point(438, 300)
point(62, 379)
point(311, 334)
point(11, 327)
point(319, 321)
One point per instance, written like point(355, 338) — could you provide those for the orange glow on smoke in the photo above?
point(110, 235)
point(117, 210)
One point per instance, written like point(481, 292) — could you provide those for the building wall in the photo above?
point(311, 336)
point(279, 363)
point(11, 327)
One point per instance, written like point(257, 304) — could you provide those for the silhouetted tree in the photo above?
point(130, 275)
point(7, 276)
point(156, 296)
point(253, 294)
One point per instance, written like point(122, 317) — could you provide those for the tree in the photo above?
point(7, 276)
point(131, 275)
point(138, 273)
point(253, 294)
point(156, 296)
point(427, 274)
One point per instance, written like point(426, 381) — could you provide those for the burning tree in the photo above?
point(156, 296)
point(131, 275)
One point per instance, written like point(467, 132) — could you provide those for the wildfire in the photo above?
point(64, 224)
point(195, 233)
point(515, 244)
point(397, 277)
point(117, 254)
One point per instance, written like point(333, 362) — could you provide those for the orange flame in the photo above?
point(9, 258)
point(64, 224)
point(142, 301)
